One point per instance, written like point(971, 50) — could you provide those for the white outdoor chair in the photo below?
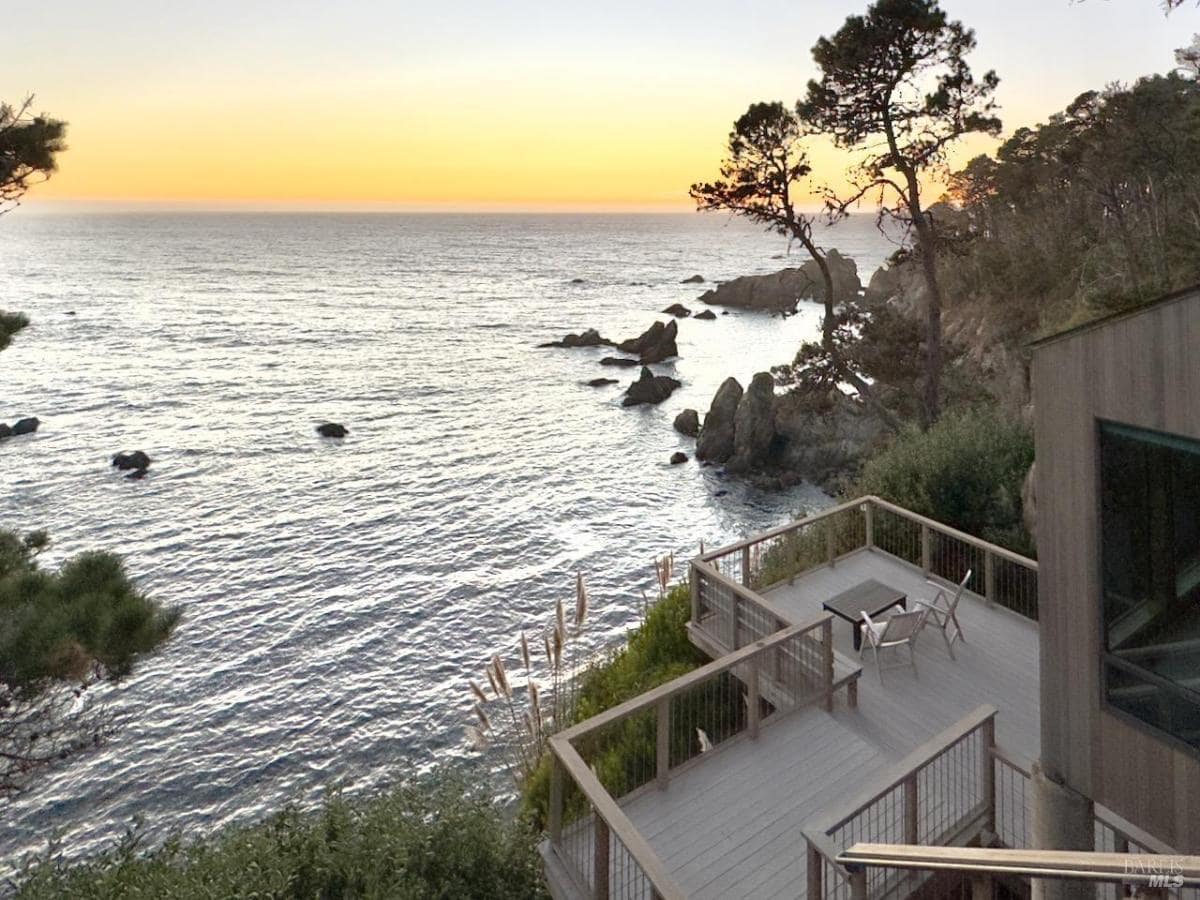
point(943, 612)
point(895, 631)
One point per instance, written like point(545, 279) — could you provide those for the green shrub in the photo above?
point(431, 839)
point(966, 471)
point(657, 651)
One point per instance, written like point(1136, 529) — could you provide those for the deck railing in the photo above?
point(942, 793)
point(757, 563)
point(638, 746)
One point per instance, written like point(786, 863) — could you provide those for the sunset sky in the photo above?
point(455, 105)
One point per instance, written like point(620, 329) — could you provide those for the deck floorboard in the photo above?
point(731, 825)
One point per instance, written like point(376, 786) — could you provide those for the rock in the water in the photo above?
point(688, 422)
point(824, 437)
point(332, 430)
point(649, 388)
point(678, 457)
point(25, 426)
point(1029, 501)
point(577, 281)
point(589, 338)
point(754, 425)
point(716, 437)
point(678, 310)
point(601, 382)
point(618, 361)
point(137, 460)
point(706, 314)
point(653, 345)
point(781, 291)
point(5, 431)
point(695, 279)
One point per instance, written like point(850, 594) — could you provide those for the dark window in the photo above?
point(1150, 552)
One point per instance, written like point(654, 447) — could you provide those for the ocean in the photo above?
point(338, 594)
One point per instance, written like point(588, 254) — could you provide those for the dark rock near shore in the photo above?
point(754, 425)
point(577, 281)
point(705, 314)
point(687, 422)
point(332, 430)
point(655, 344)
point(135, 461)
point(678, 310)
point(619, 361)
point(695, 279)
point(716, 437)
point(24, 426)
point(649, 388)
point(601, 382)
point(678, 458)
point(589, 338)
point(781, 291)
point(5, 431)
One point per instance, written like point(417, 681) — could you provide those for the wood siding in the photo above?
point(1143, 370)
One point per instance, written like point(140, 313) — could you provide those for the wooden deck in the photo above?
point(730, 825)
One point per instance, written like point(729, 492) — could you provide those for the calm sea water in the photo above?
point(338, 594)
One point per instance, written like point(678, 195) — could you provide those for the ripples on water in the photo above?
point(337, 594)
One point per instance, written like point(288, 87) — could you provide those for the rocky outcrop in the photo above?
point(687, 423)
point(678, 310)
point(618, 361)
point(678, 458)
point(707, 315)
point(601, 382)
point(823, 438)
point(589, 338)
point(135, 462)
point(19, 427)
point(716, 437)
point(781, 291)
point(332, 430)
point(781, 440)
point(754, 425)
point(695, 279)
point(649, 388)
point(655, 344)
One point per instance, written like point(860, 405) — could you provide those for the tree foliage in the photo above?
point(760, 180)
point(62, 632)
point(896, 87)
point(29, 145)
point(1097, 209)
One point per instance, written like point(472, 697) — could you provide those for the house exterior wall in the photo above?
point(1142, 370)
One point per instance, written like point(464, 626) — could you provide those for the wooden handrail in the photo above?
point(691, 679)
point(618, 823)
point(994, 549)
point(898, 773)
point(1073, 864)
point(761, 536)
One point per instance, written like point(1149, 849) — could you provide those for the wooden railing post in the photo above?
point(827, 661)
point(987, 775)
point(734, 614)
point(694, 577)
point(814, 871)
point(600, 858)
point(745, 567)
point(752, 695)
point(989, 577)
point(925, 554)
point(869, 515)
point(663, 745)
point(858, 883)
point(554, 825)
point(912, 811)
